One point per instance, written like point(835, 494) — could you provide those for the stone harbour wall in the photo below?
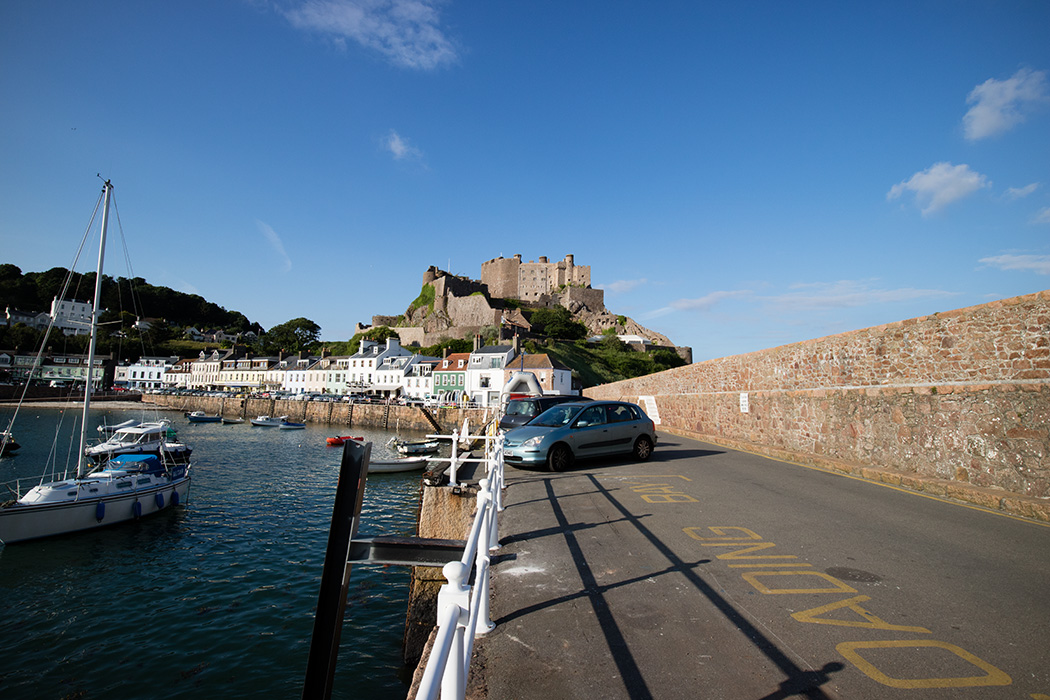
point(956, 401)
point(328, 413)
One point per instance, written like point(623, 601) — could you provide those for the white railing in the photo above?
point(463, 610)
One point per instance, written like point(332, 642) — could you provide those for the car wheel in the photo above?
point(559, 458)
point(643, 448)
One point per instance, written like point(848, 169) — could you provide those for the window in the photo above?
point(619, 414)
point(592, 415)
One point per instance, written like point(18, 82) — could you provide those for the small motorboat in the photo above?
point(232, 421)
point(338, 440)
point(268, 421)
point(405, 464)
point(415, 447)
point(158, 438)
point(7, 442)
point(202, 417)
point(289, 425)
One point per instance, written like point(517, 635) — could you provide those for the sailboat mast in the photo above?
point(108, 189)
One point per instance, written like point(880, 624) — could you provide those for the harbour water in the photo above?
point(214, 598)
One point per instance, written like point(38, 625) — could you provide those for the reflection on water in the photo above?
point(216, 598)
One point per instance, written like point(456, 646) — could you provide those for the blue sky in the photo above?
point(738, 175)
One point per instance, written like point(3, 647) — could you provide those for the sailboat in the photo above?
point(125, 487)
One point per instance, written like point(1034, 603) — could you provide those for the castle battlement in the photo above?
point(511, 278)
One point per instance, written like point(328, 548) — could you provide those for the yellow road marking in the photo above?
point(870, 621)
point(993, 676)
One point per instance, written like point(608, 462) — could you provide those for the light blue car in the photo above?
point(569, 431)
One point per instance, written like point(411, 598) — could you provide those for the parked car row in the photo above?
point(288, 396)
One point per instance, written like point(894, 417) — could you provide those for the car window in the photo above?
point(592, 415)
point(556, 416)
point(521, 408)
point(618, 413)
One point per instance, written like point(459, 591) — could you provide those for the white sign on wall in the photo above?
point(744, 405)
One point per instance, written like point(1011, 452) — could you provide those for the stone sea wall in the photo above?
point(959, 398)
point(329, 413)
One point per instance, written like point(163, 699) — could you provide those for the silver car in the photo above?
point(568, 431)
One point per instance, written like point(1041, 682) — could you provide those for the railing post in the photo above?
point(483, 622)
point(455, 593)
point(454, 459)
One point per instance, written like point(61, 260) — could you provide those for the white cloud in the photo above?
point(275, 242)
point(704, 303)
point(999, 105)
point(940, 185)
point(622, 286)
point(1020, 192)
point(848, 294)
point(707, 301)
point(1042, 216)
point(1034, 263)
point(400, 147)
point(407, 32)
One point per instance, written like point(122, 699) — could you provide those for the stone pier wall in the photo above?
point(960, 398)
point(328, 413)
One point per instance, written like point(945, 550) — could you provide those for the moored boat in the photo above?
point(232, 421)
point(405, 464)
point(289, 425)
point(127, 487)
point(415, 447)
point(337, 440)
point(123, 487)
point(202, 417)
point(8, 444)
point(157, 438)
point(268, 421)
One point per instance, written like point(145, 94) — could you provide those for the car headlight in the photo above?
point(533, 441)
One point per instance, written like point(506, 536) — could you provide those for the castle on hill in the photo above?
point(510, 278)
point(462, 307)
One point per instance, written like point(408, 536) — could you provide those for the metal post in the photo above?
point(335, 578)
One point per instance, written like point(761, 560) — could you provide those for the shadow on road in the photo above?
point(798, 682)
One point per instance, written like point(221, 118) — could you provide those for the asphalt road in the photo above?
point(708, 573)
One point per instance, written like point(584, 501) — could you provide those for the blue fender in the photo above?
point(174, 497)
point(159, 498)
point(100, 511)
point(136, 509)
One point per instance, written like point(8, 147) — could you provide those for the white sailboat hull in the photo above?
point(30, 521)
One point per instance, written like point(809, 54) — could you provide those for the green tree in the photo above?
point(666, 359)
point(557, 323)
point(291, 336)
point(453, 345)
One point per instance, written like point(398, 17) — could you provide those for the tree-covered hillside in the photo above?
point(33, 291)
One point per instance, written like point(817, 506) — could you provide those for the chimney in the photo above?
point(516, 345)
point(444, 353)
point(477, 342)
